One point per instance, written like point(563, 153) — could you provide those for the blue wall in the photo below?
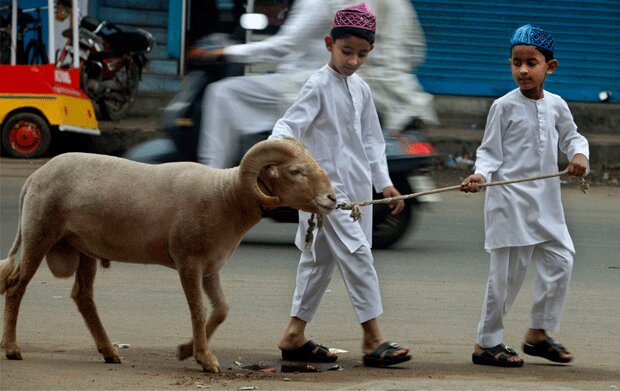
point(468, 45)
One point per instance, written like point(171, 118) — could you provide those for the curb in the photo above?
point(459, 135)
point(455, 142)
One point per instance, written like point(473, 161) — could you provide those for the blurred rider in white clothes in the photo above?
point(251, 104)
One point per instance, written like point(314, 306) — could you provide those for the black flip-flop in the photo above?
point(383, 356)
point(488, 357)
point(309, 352)
point(549, 349)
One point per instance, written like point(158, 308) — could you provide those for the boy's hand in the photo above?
point(472, 183)
point(578, 166)
point(396, 206)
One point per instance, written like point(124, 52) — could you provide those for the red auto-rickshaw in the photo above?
point(37, 101)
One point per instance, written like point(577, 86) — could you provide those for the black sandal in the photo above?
point(488, 357)
point(549, 349)
point(309, 352)
point(383, 356)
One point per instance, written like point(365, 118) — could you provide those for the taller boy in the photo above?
point(335, 118)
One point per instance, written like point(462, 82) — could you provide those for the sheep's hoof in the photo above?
point(208, 362)
point(215, 369)
point(110, 355)
point(185, 350)
point(14, 355)
point(112, 360)
point(11, 350)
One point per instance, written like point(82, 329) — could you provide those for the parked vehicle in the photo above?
point(111, 59)
point(409, 155)
point(37, 102)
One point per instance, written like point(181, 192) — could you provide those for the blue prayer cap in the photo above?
point(530, 35)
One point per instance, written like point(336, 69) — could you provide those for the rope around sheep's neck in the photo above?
point(356, 212)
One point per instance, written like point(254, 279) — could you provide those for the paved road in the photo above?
point(432, 285)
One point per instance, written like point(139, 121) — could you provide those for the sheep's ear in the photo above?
point(264, 157)
point(269, 172)
point(273, 172)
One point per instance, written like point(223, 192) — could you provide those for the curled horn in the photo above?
point(261, 155)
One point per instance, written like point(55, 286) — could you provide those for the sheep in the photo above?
point(79, 207)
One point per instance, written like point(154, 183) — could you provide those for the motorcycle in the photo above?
point(409, 156)
point(111, 63)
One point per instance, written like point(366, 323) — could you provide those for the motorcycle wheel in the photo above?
point(115, 107)
point(26, 135)
point(388, 229)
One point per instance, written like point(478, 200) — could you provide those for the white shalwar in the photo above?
point(524, 222)
point(335, 118)
point(239, 106)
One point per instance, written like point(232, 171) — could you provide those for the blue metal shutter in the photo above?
point(468, 45)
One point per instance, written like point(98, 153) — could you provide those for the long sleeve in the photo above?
point(570, 141)
point(299, 116)
point(374, 144)
point(489, 155)
point(306, 23)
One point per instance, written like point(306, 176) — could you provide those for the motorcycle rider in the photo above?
point(251, 104)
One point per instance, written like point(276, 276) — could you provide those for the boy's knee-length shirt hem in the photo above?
point(335, 118)
point(521, 140)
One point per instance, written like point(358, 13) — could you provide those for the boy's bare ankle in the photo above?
point(535, 335)
point(291, 341)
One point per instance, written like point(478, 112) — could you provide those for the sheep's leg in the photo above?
point(82, 295)
point(213, 287)
point(190, 280)
point(16, 287)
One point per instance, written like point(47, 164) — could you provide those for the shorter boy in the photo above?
point(524, 222)
point(335, 118)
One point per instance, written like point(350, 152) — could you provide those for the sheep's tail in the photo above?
point(8, 267)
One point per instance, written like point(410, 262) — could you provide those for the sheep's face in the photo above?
point(282, 172)
point(302, 184)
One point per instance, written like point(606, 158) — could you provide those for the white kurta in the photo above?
point(335, 118)
point(246, 105)
point(521, 140)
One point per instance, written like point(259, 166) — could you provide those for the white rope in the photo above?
point(356, 212)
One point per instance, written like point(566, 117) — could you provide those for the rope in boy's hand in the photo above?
point(356, 212)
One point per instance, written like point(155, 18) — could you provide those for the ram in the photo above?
point(79, 208)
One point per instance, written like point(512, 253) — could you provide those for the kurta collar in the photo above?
point(333, 72)
point(530, 99)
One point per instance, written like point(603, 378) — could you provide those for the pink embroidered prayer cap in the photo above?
point(358, 16)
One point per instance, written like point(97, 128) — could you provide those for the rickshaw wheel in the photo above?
point(26, 135)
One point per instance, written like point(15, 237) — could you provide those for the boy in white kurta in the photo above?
point(524, 222)
point(335, 118)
